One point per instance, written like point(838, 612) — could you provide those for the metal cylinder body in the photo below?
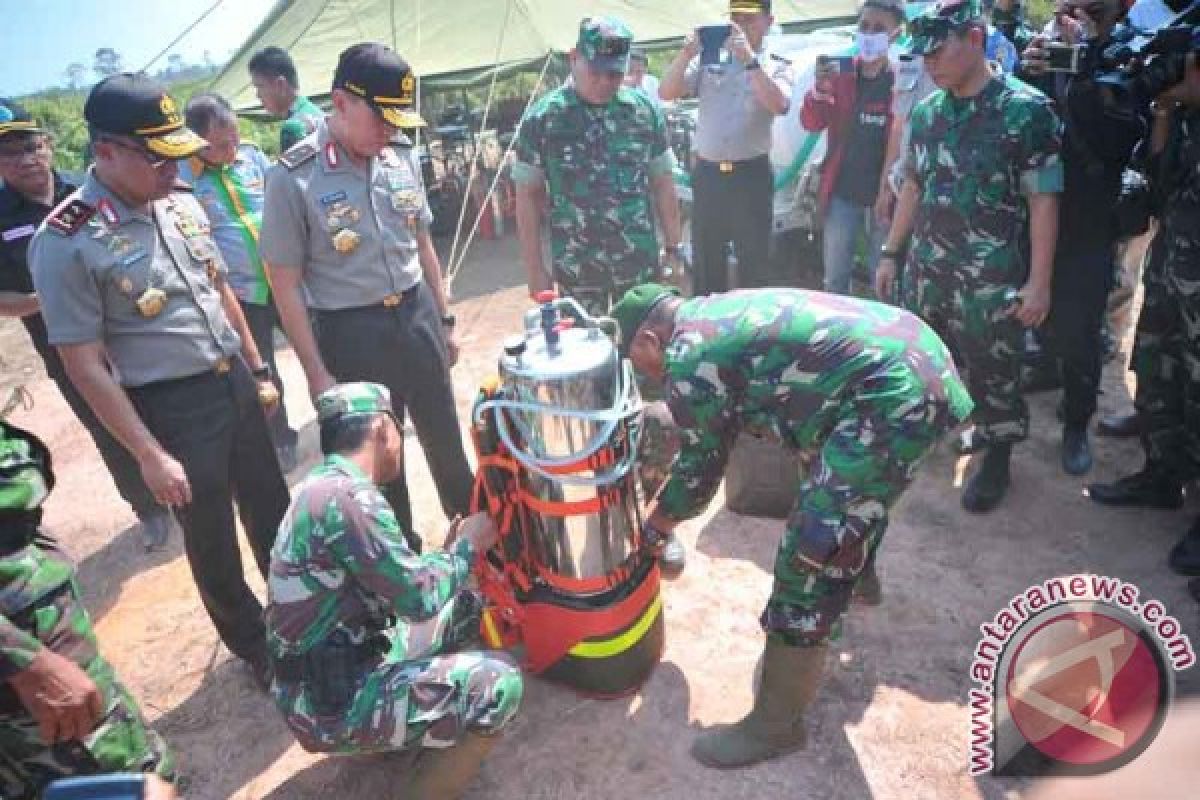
point(572, 370)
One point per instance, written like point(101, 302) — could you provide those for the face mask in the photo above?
point(872, 46)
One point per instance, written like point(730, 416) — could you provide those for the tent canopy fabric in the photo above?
point(461, 43)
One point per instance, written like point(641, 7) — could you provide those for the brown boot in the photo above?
point(445, 773)
point(775, 726)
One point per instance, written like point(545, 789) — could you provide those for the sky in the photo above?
point(39, 38)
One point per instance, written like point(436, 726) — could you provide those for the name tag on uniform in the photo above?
point(333, 198)
point(12, 234)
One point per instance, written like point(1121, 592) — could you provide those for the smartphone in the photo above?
point(836, 64)
point(712, 40)
point(1067, 58)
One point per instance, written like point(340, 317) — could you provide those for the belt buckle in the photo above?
point(392, 300)
point(726, 166)
point(222, 366)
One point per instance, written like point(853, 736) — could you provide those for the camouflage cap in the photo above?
point(935, 24)
point(635, 306)
point(604, 42)
point(353, 398)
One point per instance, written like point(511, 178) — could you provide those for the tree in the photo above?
point(76, 74)
point(108, 62)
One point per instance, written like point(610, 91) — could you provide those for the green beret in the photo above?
point(353, 398)
point(635, 306)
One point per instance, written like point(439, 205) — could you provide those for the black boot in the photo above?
point(987, 486)
point(1076, 450)
point(1119, 425)
point(1185, 556)
point(1150, 488)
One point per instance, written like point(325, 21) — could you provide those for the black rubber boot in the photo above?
point(1150, 488)
point(1076, 450)
point(1185, 556)
point(1119, 425)
point(989, 484)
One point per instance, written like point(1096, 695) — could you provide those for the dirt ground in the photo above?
point(890, 722)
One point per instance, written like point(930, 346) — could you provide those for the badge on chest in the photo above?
point(340, 218)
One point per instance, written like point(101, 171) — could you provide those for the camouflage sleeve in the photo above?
point(372, 548)
point(1040, 140)
point(529, 166)
point(703, 409)
point(17, 648)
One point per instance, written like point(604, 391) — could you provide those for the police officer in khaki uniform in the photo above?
point(731, 179)
point(131, 282)
point(346, 219)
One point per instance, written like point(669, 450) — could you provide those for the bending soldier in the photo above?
point(865, 388)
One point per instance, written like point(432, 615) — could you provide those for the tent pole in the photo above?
point(487, 109)
point(452, 272)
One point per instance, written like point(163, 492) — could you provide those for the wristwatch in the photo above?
point(752, 65)
point(449, 320)
point(262, 373)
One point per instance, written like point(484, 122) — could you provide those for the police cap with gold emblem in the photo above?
point(136, 105)
point(750, 6)
point(377, 74)
point(15, 119)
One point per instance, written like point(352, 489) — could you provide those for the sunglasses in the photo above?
point(613, 47)
point(151, 159)
point(935, 28)
point(30, 148)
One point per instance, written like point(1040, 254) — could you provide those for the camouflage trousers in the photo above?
point(598, 288)
point(1166, 358)
point(836, 525)
point(425, 692)
point(975, 323)
point(121, 742)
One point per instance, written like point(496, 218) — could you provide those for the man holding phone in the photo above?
point(732, 181)
point(1098, 141)
point(852, 99)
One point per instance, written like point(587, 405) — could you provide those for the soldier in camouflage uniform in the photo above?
point(595, 155)
point(62, 710)
point(982, 169)
point(371, 644)
point(1166, 354)
point(864, 389)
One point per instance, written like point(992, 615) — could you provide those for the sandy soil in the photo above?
point(890, 722)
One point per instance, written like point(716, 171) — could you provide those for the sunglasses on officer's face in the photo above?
point(613, 47)
point(31, 147)
point(151, 159)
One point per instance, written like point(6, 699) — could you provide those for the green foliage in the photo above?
point(61, 112)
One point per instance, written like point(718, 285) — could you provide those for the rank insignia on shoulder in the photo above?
point(298, 154)
point(70, 216)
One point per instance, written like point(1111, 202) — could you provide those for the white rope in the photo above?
point(452, 272)
point(477, 143)
point(180, 37)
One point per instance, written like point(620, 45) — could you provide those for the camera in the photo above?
point(1068, 58)
point(1136, 68)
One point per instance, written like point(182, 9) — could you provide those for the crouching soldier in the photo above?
point(371, 643)
point(62, 710)
point(865, 389)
